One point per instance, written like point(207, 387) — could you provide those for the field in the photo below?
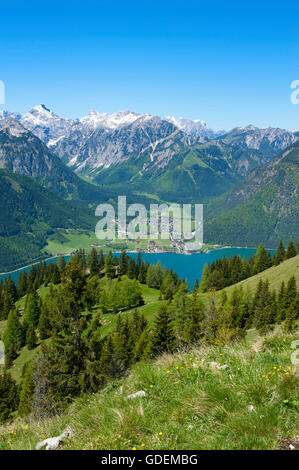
point(71, 240)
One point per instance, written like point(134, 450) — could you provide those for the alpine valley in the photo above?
point(248, 178)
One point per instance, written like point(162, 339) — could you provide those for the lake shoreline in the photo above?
point(214, 248)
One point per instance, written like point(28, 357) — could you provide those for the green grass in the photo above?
point(68, 241)
point(152, 304)
point(17, 368)
point(275, 276)
point(187, 406)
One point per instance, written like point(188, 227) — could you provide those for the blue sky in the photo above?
point(228, 63)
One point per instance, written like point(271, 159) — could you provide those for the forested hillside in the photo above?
point(83, 297)
point(29, 214)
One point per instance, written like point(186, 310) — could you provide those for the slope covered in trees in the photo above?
point(264, 208)
point(80, 356)
point(28, 215)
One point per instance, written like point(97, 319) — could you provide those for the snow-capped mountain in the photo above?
point(8, 114)
point(96, 120)
point(99, 140)
point(197, 128)
point(105, 146)
point(46, 125)
point(252, 137)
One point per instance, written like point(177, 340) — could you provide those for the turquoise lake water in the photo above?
point(188, 267)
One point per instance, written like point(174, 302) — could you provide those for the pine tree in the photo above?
point(32, 309)
point(280, 254)
point(163, 338)
point(27, 391)
point(123, 263)
point(292, 315)
point(13, 337)
point(55, 274)
point(131, 269)
point(138, 261)
point(142, 273)
point(109, 266)
point(31, 338)
point(93, 262)
point(291, 292)
point(281, 303)
point(195, 318)
point(61, 264)
point(151, 278)
point(110, 364)
point(262, 259)
point(101, 260)
point(264, 314)
point(196, 285)
point(9, 396)
point(291, 251)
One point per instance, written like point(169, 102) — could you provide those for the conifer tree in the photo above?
point(27, 391)
point(151, 278)
point(142, 273)
point(291, 292)
point(9, 396)
point(93, 262)
point(61, 264)
point(123, 263)
point(264, 315)
point(44, 325)
point(31, 338)
point(138, 261)
point(101, 260)
point(131, 269)
point(195, 318)
point(281, 303)
point(291, 251)
point(196, 285)
point(262, 259)
point(280, 254)
point(13, 337)
point(292, 315)
point(32, 309)
point(109, 266)
point(163, 338)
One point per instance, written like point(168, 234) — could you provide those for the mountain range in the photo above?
point(247, 177)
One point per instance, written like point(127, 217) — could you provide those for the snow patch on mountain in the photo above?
point(196, 128)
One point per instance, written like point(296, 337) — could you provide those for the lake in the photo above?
point(188, 267)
